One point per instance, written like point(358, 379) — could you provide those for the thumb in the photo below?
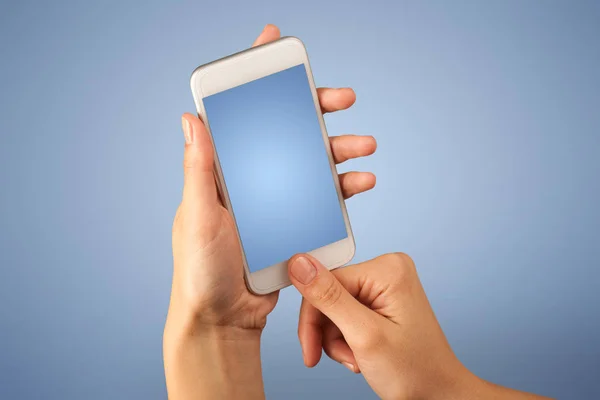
point(199, 188)
point(320, 288)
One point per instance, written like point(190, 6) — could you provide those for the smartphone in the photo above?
point(273, 162)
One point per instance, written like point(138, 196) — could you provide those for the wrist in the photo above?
point(221, 361)
point(457, 382)
point(462, 384)
point(185, 324)
point(187, 317)
point(225, 343)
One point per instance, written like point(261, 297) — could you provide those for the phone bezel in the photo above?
point(243, 67)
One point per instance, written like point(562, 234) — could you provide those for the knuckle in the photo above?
point(329, 295)
point(400, 263)
point(189, 161)
point(400, 272)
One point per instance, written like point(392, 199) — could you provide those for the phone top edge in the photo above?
point(198, 71)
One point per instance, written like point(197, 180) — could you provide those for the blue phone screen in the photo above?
point(268, 140)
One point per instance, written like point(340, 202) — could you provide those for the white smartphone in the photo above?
point(273, 162)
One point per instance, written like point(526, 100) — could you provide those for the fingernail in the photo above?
point(303, 270)
point(349, 366)
point(187, 130)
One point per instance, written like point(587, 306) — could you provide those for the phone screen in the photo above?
point(269, 143)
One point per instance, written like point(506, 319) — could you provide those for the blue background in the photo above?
point(276, 168)
point(487, 116)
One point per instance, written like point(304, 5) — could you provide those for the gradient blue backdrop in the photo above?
point(487, 116)
point(273, 157)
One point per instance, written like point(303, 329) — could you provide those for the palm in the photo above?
point(231, 297)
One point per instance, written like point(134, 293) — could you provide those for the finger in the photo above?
point(270, 33)
point(337, 349)
point(335, 99)
point(352, 146)
point(354, 277)
point(320, 288)
point(356, 182)
point(310, 333)
point(317, 333)
point(199, 186)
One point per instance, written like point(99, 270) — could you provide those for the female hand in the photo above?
point(211, 338)
point(208, 279)
point(375, 318)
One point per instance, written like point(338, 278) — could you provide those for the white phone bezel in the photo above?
point(243, 67)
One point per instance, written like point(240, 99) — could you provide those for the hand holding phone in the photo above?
point(209, 296)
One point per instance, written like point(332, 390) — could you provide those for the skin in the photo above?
point(372, 317)
point(212, 315)
point(375, 319)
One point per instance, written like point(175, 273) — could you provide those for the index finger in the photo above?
point(311, 321)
